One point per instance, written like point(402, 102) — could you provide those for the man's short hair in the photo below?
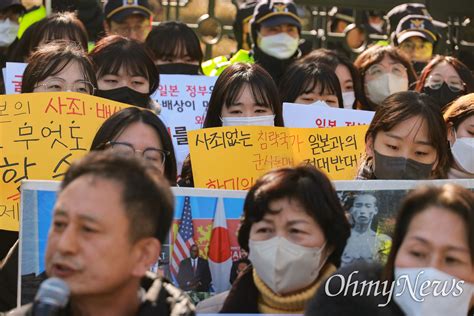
point(146, 194)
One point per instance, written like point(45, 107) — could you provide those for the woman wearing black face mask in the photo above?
point(182, 53)
point(125, 71)
point(445, 79)
point(405, 140)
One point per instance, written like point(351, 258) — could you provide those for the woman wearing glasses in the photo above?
point(138, 131)
point(384, 71)
point(59, 66)
point(445, 78)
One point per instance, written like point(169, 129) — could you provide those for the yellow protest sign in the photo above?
point(40, 135)
point(233, 158)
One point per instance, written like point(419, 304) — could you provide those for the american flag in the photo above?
point(184, 238)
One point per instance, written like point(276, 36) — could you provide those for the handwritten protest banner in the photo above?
point(233, 158)
point(183, 100)
point(14, 77)
point(300, 115)
point(40, 135)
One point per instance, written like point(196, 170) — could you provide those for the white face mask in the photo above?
point(348, 98)
point(264, 120)
point(281, 45)
point(285, 266)
point(8, 32)
point(456, 302)
point(387, 84)
point(463, 152)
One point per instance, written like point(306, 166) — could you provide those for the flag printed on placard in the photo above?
point(184, 238)
point(220, 259)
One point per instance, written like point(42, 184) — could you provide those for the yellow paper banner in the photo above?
point(40, 135)
point(233, 158)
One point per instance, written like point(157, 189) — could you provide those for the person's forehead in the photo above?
point(91, 195)
point(412, 130)
point(73, 71)
point(365, 198)
point(449, 227)
point(445, 69)
point(343, 70)
point(317, 90)
point(388, 60)
point(468, 122)
point(286, 209)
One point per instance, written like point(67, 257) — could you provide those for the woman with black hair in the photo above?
point(176, 48)
point(125, 71)
point(133, 130)
point(405, 140)
point(59, 66)
point(307, 83)
point(295, 230)
point(244, 94)
point(348, 75)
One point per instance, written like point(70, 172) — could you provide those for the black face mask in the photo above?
point(126, 95)
point(397, 168)
point(178, 69)
point(443, 95)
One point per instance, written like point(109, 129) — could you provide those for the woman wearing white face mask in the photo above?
point(384, 71)
point(432, 252)
point(459, 118)
point(244, 94)
point(295, 230)
point(435, 250)
point(310, 82)
point(345, 71)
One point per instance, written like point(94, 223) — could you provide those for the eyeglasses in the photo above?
point(58, 85)
point(378, 70)
point(436, 81)
point(410, 46)
point(153, 155)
